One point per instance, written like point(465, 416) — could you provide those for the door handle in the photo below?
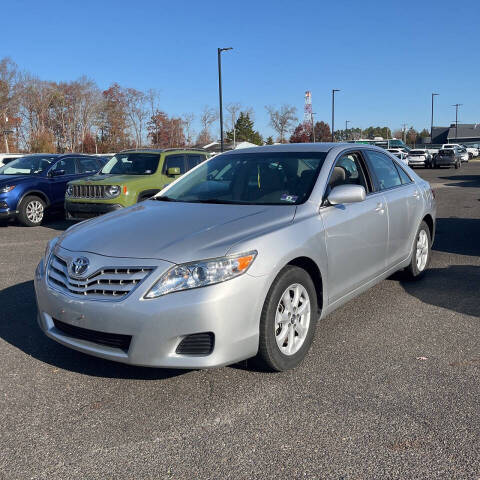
point(379, 207)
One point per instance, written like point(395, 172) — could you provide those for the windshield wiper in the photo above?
point(164, 198)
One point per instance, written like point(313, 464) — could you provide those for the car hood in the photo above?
point(109, 179)
point(16, 179)
point(174, 231)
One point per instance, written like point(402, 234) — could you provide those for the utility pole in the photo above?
point(333, 113)
point(219, 55)
point(431, 123)
point(404, 125)
point(346, 128)
point(313, 127)
point(456, 105)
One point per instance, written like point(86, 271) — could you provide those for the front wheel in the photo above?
point(31, 211)
point(287, 323)
point(421, 253)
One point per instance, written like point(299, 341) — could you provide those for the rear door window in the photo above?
point(87, 165)
point(384, 170)
point(66, 164)
point(194, 160)
point(172, 161)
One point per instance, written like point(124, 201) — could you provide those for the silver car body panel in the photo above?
point(354, 247)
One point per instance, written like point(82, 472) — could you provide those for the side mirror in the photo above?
point(172, 171)
point(346, 194)
point(57, 173)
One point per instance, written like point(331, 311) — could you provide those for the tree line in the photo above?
point(47, 116)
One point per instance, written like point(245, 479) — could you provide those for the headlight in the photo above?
point(201, 274)
point(7, 188)
point(112, 191)
point(69, 191)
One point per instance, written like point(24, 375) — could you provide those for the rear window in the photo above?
point(447, 152)
point(132, 164)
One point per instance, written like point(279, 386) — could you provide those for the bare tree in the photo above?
point(283, 120)
point(187, 119)
point(207, 117)
point(137, 111)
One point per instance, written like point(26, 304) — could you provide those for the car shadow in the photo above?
point(463, 180)
point(454, 287)
point(18, 326)
point(458, 235)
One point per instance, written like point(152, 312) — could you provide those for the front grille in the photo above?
point(109, 283)
point(196, 344)
point(89, 191)
point(115, 340)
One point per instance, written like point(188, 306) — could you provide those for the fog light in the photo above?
point(3, 205)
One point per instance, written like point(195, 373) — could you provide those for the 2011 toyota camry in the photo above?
point(242, 257)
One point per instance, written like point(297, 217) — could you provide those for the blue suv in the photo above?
point(31, 184)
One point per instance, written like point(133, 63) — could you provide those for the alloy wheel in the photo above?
point(422, 250)
point(292, 319)
point(34, 211)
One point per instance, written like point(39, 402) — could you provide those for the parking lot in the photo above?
point(390, 388)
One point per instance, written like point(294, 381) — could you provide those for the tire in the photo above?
point(296, 331)
point(417, 269)
point(457, 166)
point(31, 211)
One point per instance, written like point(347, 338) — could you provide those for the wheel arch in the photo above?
point(311, 267)
point(428, 219)
point(37, 193)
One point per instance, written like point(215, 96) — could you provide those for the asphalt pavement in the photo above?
point(390, 389)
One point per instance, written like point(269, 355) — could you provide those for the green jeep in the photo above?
point(127, 178)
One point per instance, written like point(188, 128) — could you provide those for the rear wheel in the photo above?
point(287, 323)
point(31, 211)
point(421, 252)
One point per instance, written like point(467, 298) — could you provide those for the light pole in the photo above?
point(313, 127)
point(456, 105)
point(346, 128)
point(219, 55)
point(431, 123)
point(333, 113)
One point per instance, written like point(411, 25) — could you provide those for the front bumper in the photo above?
point(84, 210)
point(230, 310)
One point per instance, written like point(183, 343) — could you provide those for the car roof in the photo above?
point(305, 147)
point(161, 150)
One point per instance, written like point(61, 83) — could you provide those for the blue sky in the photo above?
point(386, 57)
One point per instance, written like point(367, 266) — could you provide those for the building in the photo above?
point(464, 133)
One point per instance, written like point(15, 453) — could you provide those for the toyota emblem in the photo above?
point(79, 266)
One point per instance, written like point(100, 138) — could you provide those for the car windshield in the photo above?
point(280, 178)
point(30, 165)
point(132, 164)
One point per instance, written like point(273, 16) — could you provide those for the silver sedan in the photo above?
point(241, 257)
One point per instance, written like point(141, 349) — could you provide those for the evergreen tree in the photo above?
point(269, 141)
point(244, 131)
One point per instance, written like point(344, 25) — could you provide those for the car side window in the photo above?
point(87, 165)
point(194, 160)
point(67, 164)
point(386, 173)
point(348, 170)
point(403, 175)
point(175, 161)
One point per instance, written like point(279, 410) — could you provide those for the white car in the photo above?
point(473, 151)
point(399, 153)
point(420, 157)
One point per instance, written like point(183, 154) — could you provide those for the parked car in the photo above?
point(420, 157)
point(472, 151)
point(240, 257)
point(447, 157)
point(31, 184)
point(400, 154)
point(127, 178)
point(463, 154)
